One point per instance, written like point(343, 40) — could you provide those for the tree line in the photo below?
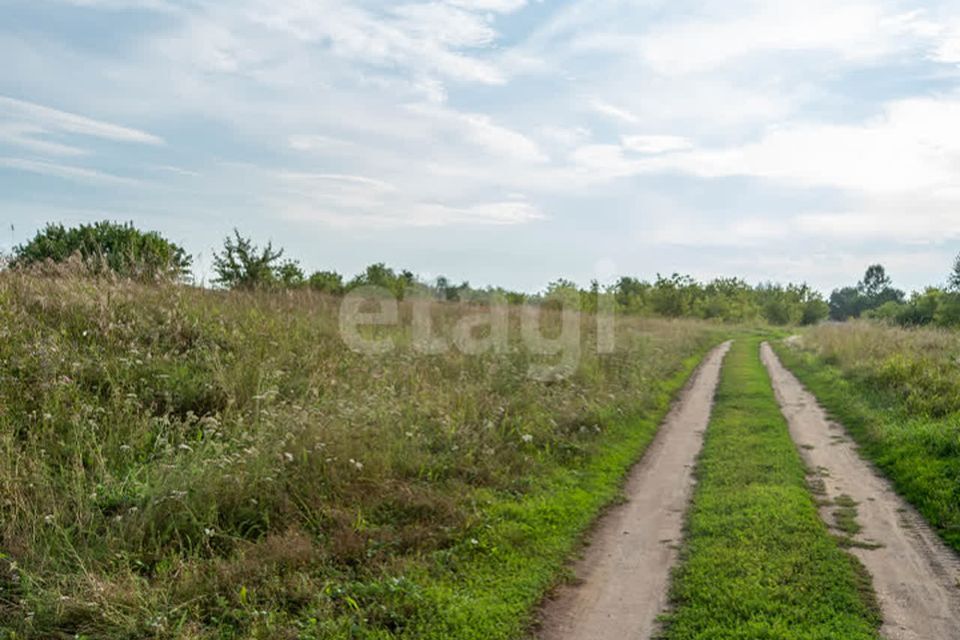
point(240, 264)
point(875, 297)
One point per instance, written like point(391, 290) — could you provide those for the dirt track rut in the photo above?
point(917, 578)
point(625, 573)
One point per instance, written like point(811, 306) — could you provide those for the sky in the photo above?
point(508, 142)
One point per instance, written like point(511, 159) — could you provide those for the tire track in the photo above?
point(916, 577)
point(625, 573)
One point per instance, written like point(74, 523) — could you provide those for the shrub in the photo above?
point(326, 282)
point(106, 246)
point(243, 265)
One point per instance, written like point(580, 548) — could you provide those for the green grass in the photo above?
point(758, 563)
point(906, 423)
point(184, 464)
point(525, 544)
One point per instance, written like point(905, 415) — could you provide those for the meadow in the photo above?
point(181, 463)
point(897, 392)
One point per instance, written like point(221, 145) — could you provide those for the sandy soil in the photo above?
point(917, 578)
point(623, 578)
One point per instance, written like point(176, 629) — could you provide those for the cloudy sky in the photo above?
point(499, 141)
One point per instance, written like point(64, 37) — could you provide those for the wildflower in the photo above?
point(474, 541)
point(288, 456)
point(48, 519)
point(209, 532)
point(357, 464)
point(125, 447)
point(527, 438)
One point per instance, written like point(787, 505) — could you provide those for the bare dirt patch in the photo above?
point(623, 579)
point(914, 574)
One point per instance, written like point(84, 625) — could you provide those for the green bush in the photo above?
point(106, 246)
point(243, 265)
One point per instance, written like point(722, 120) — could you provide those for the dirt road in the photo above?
point(914, 573)
point(624, 575)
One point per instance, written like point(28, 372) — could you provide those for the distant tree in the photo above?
point(326, 281)
point(675, 296)
point(445, 290)
point(376, 275)
point(815, 310)
point(875, 281)
point(874, 291)
point(846, 303)
point(953, 282)
point(380, 275)
point(107, 247)
point(243, 265)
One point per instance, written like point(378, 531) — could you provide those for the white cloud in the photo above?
point(63, 121)
point(31, 137)
point(947, 50)
point(913, 146)
point(656, 144)
point(915, 221)
point(564, 136)
point(613, 111)
point(415, 37)
point(445, 24)
point(495, 6)
point(67, 172)
point(416, 214)
point(505, 213)
point(850, 31)
point(338, 178)
point(483, 132)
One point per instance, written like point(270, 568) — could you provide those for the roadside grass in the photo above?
point(897, 393)
point(758, 562)
point(181, 464)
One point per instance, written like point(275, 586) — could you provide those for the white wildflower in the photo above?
point(288, 456)
point(527, 438)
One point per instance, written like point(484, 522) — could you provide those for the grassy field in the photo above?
point(897, 392)
point(758, 562)
point(185, 464)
